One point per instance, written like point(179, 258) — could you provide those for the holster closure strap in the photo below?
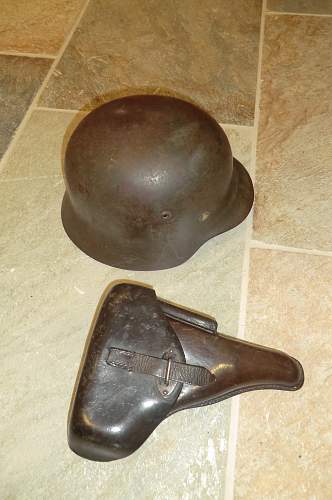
point(165, 368)
point(189, 317)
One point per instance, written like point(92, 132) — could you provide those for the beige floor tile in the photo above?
point(284, 444)
point(49, 293)
point(205, 51)
point(305, 6)
point(40, 146)
point(36, 26)
point(293, 173)
point(240, 139)
point(20, 79)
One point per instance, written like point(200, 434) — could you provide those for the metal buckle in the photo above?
point(168, 371)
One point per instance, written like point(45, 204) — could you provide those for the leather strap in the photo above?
point(166, 369)
point(189, 317)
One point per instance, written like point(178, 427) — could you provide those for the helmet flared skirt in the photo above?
point(168, 248)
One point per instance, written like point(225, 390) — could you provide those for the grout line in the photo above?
point(235, 125)
point(235, 405)
point(30, 178)
point(282, 248)
point(61, 110)
point(27, 54)
point(34, 102)
point(231, 452)
point(276, 13)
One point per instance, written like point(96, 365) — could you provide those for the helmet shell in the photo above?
point(148, 180)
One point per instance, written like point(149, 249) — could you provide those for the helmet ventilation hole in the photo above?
point(166, 214)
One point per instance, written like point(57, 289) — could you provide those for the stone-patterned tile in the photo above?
point(240, 139)
point(49, 294)
point(284, 444)
point(205, 51)
point(36, 26)
point(293, 173)
point(301, 6)
point(20, 79)
point(41, 146)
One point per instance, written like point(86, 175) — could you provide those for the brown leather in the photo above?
point(188, 317)
point(238, 366)
point(149, 179)
point(141, 365)
point(164, 368)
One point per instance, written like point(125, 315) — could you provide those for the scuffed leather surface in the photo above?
point(113, 411)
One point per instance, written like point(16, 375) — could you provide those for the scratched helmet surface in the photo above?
point(149, 179)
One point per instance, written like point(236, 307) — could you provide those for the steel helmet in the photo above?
point(149, 179)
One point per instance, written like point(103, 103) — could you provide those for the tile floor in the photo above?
point(264, 70)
